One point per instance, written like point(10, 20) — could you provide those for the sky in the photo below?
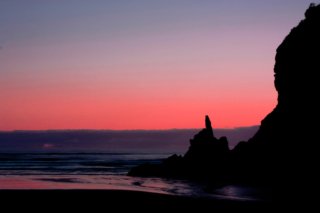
point(143, 64)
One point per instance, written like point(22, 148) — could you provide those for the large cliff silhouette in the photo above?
point(284, 141)
point(285, 135)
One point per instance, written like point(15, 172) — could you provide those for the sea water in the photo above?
point(103, 171)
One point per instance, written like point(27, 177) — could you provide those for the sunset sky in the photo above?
point(140, 64)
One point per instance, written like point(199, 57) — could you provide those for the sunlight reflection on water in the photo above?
point(106, 171)
point(121, 182)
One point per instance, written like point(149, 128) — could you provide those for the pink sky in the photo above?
point(117, 67)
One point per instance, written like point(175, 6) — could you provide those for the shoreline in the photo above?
point(125, 199)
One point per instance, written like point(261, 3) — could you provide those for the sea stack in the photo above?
point(206, 158)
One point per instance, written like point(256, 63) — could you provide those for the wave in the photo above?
point(73, 163)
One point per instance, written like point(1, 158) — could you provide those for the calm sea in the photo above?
point(102, 171)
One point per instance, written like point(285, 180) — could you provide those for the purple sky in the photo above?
point(143, 64)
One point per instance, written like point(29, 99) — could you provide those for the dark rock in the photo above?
point(207, 156)
point(148, 170)
point(286, 134)
point(206, 151)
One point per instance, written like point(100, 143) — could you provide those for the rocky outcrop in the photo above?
point(206, 157)
point(284, 140)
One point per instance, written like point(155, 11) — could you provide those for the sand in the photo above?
point(120, 200)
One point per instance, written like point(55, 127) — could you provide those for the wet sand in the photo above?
point(121, 200)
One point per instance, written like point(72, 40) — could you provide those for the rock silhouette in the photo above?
point(285, 135)
point(207, 156)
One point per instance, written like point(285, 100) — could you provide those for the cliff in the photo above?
point(284, 139)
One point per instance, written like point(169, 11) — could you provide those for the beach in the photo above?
point(92, 181)
point(123, 200)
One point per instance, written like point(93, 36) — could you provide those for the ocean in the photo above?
point(104, 171)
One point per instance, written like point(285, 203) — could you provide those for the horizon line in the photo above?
point(120, 130)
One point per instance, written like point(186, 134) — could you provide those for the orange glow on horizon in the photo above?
point(113, 66)
point(93, 113)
